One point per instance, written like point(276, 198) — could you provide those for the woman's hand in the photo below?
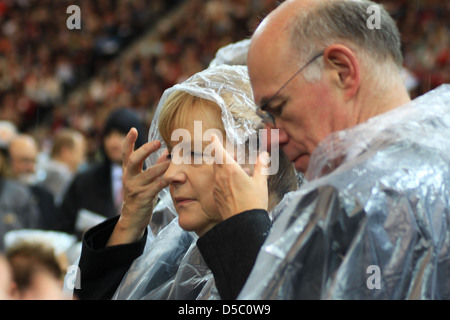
point(234, 190)
point(140, 188)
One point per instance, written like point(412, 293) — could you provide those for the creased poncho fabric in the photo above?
point(373, 222)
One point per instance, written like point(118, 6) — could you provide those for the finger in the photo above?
point(136, 160)
point(155, 171)
point(163, 157)
point(221, 156)
point(261, 171)
point(128, 145)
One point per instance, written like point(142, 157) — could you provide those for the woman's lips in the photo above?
point(183, 201)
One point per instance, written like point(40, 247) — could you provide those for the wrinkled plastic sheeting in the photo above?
point(232, 54)
point(373, 222)
point(163, 213)
point(171, 267)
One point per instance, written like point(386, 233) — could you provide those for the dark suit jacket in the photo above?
point(90, 190)
point(47, 209)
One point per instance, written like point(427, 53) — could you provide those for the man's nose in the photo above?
point(274, 138)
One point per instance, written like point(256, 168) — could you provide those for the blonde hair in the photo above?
point(181, 108)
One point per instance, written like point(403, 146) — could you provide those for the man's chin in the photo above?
point(301, 163)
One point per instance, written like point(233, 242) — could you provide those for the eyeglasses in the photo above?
point(261, 111)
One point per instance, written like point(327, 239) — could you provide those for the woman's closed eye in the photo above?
point(197, 155)
point(169, 154)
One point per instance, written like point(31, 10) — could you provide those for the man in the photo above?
point(23, 151)
point(372, 223)
point(18, 208)
point(95, 194)
point(68, 153)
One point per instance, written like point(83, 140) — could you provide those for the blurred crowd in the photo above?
point(182, 44)
point(126, 54)
point(52, 77)
point(425, 30)
point(42, 61)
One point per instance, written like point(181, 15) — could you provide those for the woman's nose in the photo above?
point(174, 174)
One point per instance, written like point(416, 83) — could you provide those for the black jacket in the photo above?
point(47, 209)
point(229, 249)
point(90, 190)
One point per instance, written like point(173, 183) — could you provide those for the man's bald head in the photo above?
point(23, 151)
point(316, 68)
point(304, 28)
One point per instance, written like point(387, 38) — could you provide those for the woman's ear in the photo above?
point(345, 68)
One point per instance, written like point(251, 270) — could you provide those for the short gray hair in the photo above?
point(345, 21)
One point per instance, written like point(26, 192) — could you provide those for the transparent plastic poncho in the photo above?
point(171, 266)
point(373, 222)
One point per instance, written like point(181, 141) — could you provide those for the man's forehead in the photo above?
point(273, 33)
point(268, 71)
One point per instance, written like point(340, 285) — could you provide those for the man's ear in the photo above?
point(342, 62)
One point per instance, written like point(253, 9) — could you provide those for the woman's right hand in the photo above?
point(140, 188)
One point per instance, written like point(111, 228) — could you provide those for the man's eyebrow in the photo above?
point(266, 101)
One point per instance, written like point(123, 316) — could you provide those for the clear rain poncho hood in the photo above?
point(171, 266)
point(374, 220)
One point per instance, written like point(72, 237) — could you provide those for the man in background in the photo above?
point(67, 155)
point(23, 151)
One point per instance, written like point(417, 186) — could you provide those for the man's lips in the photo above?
point(295, 158)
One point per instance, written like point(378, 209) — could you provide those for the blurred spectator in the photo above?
point(95, 194)
point(67, 154)
point(37, 273)
point(7, 132)
point(18, 209)
point(7, 285)
point(23, 151)
point(425, 30)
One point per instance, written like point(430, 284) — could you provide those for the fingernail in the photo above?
point(265, 158)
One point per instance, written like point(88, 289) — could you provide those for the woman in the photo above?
point(219, 101)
